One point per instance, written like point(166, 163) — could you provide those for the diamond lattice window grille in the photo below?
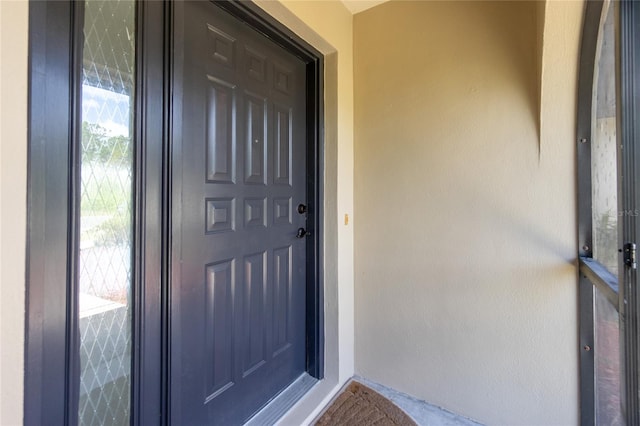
point(106, 202)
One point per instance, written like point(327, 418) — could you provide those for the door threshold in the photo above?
point(286, 399)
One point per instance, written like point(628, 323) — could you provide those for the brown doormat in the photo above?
point(358, 405)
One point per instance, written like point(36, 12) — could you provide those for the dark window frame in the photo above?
point(620, 291)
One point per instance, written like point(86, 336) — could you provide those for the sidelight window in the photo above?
point(105, 238)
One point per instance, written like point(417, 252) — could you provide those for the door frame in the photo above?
point(53, 102)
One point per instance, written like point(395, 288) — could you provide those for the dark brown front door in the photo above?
point(238, 259)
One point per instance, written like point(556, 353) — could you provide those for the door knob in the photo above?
point(302, 233)
point(302, 209)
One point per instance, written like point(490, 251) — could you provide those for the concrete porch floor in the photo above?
point(421, 412)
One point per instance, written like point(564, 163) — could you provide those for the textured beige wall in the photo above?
point(465, 239)
point(13, 185)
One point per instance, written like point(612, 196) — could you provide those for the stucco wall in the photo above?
point(13, 168)
point(465, 239)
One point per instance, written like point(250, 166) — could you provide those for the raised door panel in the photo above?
point(219, 303)
point(221, 141)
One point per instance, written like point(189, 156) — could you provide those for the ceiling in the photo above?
point(356, 6)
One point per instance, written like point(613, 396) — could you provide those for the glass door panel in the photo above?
point(604, 165)
point(604, 192)
point(607, 362)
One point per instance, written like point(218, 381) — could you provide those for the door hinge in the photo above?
point(630, 255)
